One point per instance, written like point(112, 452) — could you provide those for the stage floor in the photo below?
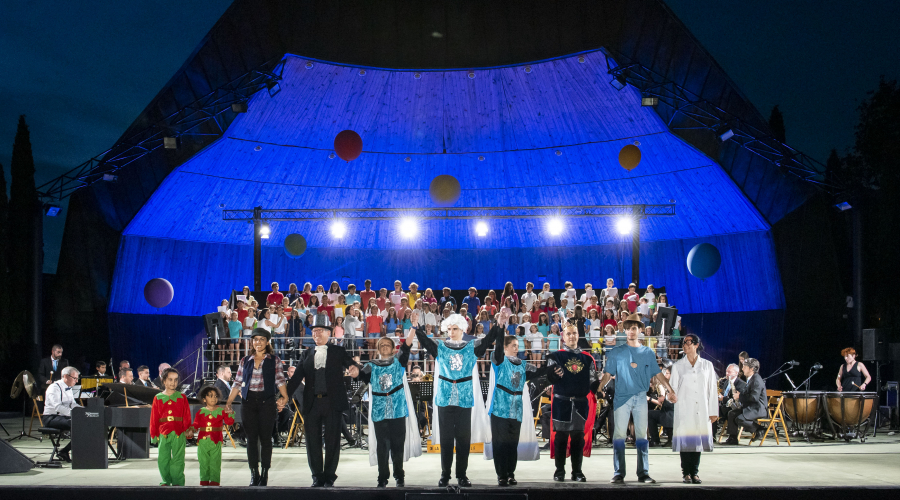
point(826, 464)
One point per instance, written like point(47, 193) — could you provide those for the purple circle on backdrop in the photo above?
point(158, 292)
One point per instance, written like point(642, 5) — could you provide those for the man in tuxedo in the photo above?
point(324, 400)
point(753, 403)
point(126, 376)
point(50, 368)
point(223, 380)
point(100, 367)
point(144, 377)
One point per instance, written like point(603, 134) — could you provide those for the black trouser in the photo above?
point(258, 419)
point(735, 419)
point(320, 417)
point(505, 441)
point(456, 427)
point(654, 417)
point(575, 442)
point(391, 435)
point(62, 423)
point(690, 463)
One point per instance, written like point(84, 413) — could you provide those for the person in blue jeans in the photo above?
point(634, 367)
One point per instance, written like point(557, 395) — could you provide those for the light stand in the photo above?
point(22, 432)
point(877, 396)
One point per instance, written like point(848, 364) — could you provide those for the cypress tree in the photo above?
point(4, 270)
point(21, 258)
point(776, 124)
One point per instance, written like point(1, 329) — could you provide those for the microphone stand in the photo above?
point(781, 369)
point(812, 373)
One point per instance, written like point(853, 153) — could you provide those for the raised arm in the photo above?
point(403, 358)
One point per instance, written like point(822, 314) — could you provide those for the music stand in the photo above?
point(422, 392)
point(357, 389)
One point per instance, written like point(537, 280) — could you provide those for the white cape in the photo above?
point(413, 446)
point(528, 445)
point(481, 427)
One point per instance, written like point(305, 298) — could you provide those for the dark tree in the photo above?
point(873, 169)
point(776, 123)
point(4, 270)
point(21, 229)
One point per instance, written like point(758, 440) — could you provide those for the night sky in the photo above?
point(83, 71)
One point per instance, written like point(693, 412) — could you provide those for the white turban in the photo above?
point(454, 319)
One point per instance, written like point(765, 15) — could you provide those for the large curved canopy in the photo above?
point(548, 135)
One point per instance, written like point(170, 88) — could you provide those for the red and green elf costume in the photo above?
point(209, 425)
point(170, 417)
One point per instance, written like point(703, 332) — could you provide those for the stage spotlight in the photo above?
point(273, 88)
point(338, 229)
point(239, 107)
point(110, 177)
point(649, 101)
point(481, 229)
point(725, 133)
point(170, 142)
point(624, 225)
point(842, 206)
point(618, 82)
point(555, 226)
point(408, 227)
point(51, 210)
point(264, 230)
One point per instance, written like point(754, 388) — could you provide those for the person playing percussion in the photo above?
point(850, 375)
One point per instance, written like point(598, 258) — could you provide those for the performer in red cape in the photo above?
point(573, 406)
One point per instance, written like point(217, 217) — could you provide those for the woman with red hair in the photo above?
point(850, 376)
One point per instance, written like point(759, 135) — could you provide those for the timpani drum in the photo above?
point(802, 407)
point(849, 412)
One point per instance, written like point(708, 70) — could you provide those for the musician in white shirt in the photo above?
point(58, 404)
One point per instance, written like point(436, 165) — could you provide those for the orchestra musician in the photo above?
point(752, 404)
point(728, 385)
point(850, 375)
point(664, 412)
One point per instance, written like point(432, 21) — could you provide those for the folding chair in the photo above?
point(297, 428)
point(36, 412)
point(776, 416)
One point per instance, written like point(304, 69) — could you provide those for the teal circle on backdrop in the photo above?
point(294, 245)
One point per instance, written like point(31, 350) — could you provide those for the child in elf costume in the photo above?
point(170, 422)
point(209, 423)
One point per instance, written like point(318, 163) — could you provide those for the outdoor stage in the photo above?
point(819, 470)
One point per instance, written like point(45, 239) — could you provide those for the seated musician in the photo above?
point(100, 367)
point(752, 404)
point(58, 404)
point(664, 412)
point(728, 385)
point(144, 377)
point(126, 376)
point(850, 375)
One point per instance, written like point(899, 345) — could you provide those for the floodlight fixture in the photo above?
point(618, 82)
point(624, 225)
point(51, 210)
point(555, 226)
point(648, 101)
point(409, 227)
point(170, 142)
point(264, 230)
point(843, 206)
point(725, 133)
point(239, 107)
point(338, 229)
point(481, 228)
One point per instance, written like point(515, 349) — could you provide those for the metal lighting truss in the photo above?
point(634, 211)
point(701, 114)
point(184, 122)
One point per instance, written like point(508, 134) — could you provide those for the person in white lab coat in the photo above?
point(694, 380)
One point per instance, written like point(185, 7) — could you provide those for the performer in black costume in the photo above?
point(324, 400)
point(574, 377)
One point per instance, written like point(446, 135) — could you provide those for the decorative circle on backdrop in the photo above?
point(294, 245)
point(629, 157)
point(348, 145)
point(158, 292)
point(704, 260)
point(444, 190)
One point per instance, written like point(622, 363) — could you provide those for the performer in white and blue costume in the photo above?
point(509, 405)
point(394, 433)
point(461, 417)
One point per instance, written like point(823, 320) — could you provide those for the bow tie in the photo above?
point(68, 388)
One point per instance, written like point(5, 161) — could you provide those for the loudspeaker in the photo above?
point(875, 345)
point(212, 321)
point(12, 461)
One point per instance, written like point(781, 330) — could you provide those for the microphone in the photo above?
point(817, 366)
point(793, 363)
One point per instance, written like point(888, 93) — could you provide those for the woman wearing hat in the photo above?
point(258, 379)
point(694, 380)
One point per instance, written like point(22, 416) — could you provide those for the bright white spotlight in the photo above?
point(264, 230)
point(408, 227)
point(481, 229)
point(624, 225)
point(338, 229)
point(555, 226)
